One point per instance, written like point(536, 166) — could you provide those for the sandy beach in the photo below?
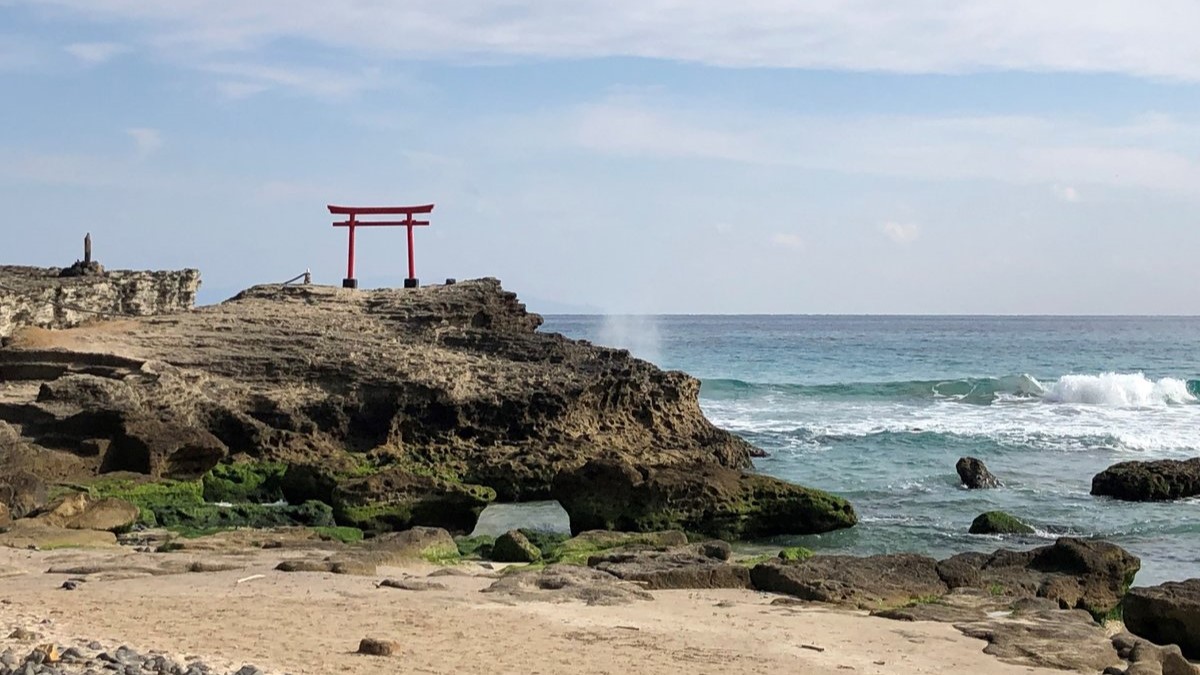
point(311, 623)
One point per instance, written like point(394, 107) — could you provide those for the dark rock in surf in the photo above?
point(974, 474)
point(1161, 480)
point(1166, 614)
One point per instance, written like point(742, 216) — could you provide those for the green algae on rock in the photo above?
point(998, 522)
point(705, 499)
point(514, 547)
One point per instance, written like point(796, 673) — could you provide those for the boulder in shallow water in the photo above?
point(708, 499)
point(1161, 480)
point(974, 474)
point(998, 522)
point(1166, 614)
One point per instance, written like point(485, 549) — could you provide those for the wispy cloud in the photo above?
point(919, 36)
point(788, 240)
point(240, 80)
point(1152, 152)
point(901, 233)
point(96, 53)
point(146, 141)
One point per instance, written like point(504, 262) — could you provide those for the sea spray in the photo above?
point(638, 333)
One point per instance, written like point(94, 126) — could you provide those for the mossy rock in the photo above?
point(705, 499)
point(246, 482)
point(576, 550)
point(795, 554)
point(346, 535)
point(475, 547)
point(395, 499)
point(150, 496)
point(998, 522)
point(514, 547)
point(212, 516)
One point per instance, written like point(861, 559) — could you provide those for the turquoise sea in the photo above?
point(878, 409)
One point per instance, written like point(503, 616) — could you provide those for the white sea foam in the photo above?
point(1126, 390)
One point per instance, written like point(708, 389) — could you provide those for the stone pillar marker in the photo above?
point(87, 249)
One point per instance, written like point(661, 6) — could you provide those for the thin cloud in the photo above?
point(1066, 193)
point(96, 53)
point(146, 141)
point(241, 80)
point(787, 240)
point(1147, 152)
point(901, 233)
point(919, 36)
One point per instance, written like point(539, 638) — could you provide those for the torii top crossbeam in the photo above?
point(352, 222)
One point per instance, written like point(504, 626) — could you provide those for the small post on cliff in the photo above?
point(87, 249)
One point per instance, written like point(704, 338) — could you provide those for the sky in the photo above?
point(623, 156)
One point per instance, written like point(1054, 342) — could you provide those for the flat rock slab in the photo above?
point(867, 583)
point(27, 534)
point(1065, 639)
point(1166, 614)
point(697, 566)
point(568, 583)
point(413, 585)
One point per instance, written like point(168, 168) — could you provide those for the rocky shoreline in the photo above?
point(375, 426)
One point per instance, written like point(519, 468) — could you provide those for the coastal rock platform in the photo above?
point(394, 408)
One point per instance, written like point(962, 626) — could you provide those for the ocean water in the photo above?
point(878, 409)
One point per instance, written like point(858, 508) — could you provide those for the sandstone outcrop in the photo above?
point(1161, 480)
point(1166, 614)
point(394, 407)
point(44, 298)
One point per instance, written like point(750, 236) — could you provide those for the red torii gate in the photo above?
point(352, 221)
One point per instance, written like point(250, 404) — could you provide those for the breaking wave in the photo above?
point(1106, 389)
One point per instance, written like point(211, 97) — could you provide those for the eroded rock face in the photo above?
point(1166, 614)
point(404, 407)
point(1161, 480)
point(41, 297)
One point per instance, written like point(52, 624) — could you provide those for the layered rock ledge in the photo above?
point(43, 297)
point(394, 407)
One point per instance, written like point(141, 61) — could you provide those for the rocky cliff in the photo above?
point(36, 296)
point(395, 407)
